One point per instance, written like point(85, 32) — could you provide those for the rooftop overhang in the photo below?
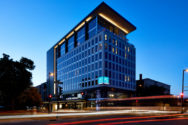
point(113, 17)
point(108, 14)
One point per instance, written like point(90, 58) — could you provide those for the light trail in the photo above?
point(139, 121)
point(144, 98)
point(113, 119)
point(87, 114)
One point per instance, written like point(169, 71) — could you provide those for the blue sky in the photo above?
point(30, 27)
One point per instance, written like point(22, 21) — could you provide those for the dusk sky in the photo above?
point(29, 28)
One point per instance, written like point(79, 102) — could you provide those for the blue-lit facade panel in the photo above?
point(119, 61)
point(96, 55)
point(80, 68)
point(106, 55)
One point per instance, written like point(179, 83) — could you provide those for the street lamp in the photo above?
point(58, 88)
point(49, 94)
point(182, 93)
point(51, 74)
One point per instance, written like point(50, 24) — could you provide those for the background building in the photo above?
point(149, 87)
point(42, 89)
point(94, 60)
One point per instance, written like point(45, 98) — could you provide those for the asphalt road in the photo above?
point(172, 119)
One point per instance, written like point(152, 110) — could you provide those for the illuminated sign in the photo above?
point(103, 80)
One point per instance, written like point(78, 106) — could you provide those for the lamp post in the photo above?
point(182, 93)
point(49, 93)
point(58, 93)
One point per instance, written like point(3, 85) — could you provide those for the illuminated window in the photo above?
point(113, 41)
point(125, 78)
point(116, 42)
point(113, 49)
point(116, 51)
point(128, 79)
point(100, 46)
point(125, 56)
point(128, 49)
point(125, 48)
point(105, 37)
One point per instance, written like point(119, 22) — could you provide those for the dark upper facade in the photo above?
point(94, 54)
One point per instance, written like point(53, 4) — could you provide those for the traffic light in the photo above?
point(50, 96)
point(182, 94)
point(82, 93)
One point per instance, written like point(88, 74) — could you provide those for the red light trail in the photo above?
point(139, 121)
point(113, 119)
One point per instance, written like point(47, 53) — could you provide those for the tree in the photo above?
point(30, 97)
point(15, 77)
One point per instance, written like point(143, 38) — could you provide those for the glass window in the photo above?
point(92, 33)
point(89, 59)
point(85, 53)
point(113, 50)
point(92, 24)
point(100, 64)
point(106, 64)
point(100, 37)
point(109, 56)
point(96, 82)
point(96, 39)
point(88, 52)
point(96, 48)
point(93, 50)
point(105, 37)
point(89, 43)
point(86, 45)
point(92, 42)
point(110, 48)
point(100, 73)
point(92, 75)
point(106, 55)
point(81, 35)
point(109, 65)
point(96, 57)
point(100, 46)
point(63, 49)
point(100, 55)
point(71, 43)
point(89, 68)
point(116, 42)
point(106, 72)
point(116, 51)
point(93, 67)
point(105, 45)
point(96, 65)
point(93, 58)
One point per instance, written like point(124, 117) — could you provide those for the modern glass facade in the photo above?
point(97, 51)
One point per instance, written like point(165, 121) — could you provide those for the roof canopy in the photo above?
point(107, 13)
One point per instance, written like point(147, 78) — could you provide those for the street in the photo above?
point(114, 119)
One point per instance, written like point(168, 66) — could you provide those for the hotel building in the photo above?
point(95, 60)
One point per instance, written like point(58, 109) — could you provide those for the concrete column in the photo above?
point(98, 96)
